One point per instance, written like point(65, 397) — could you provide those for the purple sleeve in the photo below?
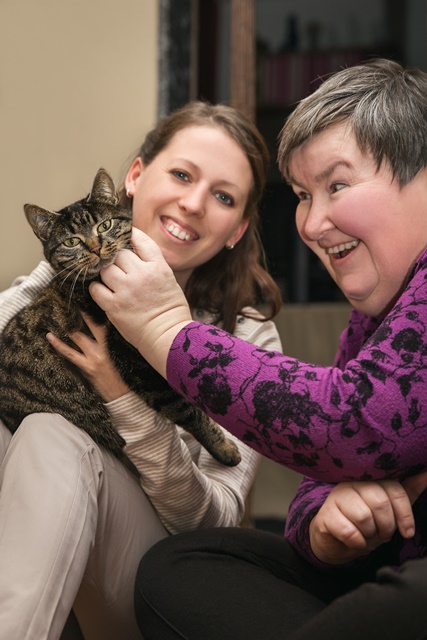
point(310, 496)
point(367, 420)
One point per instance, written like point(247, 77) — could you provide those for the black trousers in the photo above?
point(244, 584)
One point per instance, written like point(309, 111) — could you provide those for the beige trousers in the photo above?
point(74, 524)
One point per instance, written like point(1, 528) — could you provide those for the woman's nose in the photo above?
point(193, 202)
point(316, 222)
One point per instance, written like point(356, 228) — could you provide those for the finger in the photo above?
point(99, 331)
point(355, 507)
point(341, 528)
point(144, 250)
point(115, 275)
point(402, 508)
point(64, 349)
point(84, 342)
point(125, 260)
point(145, 247)
point(102, 295)
point(415, 486)
point(382, 515)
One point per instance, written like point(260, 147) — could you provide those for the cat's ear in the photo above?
point(103, 188)
point(41, 220)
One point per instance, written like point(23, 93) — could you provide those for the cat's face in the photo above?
point(85, 236)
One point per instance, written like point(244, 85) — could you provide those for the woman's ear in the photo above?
point(132, 176)
point(234, 239)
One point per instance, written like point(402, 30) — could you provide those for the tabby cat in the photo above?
point(77, 242)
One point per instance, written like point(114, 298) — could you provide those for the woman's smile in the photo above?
point(191, 198)
point(342, 250)
point(354, 216)
point(178, 230)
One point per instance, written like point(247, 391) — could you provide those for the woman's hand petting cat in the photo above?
point(143, 300)
point(357, 517)
point(93, 360)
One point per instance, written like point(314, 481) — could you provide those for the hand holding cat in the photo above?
point(142, 299)
point(357, 517)
point(93, 360)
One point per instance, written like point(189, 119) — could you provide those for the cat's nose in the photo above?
point(96, 249)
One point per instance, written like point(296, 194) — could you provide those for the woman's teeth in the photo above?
point(178, 233)
point(346, 246)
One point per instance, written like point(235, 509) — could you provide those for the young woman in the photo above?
point(355, 153)
point(74, 522)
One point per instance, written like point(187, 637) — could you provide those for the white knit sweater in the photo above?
point(188, 488)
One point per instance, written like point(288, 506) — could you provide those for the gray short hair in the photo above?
point(385, 106)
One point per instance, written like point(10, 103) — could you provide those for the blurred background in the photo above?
point(81, 83)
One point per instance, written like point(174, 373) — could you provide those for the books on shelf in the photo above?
point(286, 78)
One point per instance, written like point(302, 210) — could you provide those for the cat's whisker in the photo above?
point(73, 286)
point(70, 272)
point(67, 269)
point(84, 277)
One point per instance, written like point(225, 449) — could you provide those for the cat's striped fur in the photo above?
point(78, 241)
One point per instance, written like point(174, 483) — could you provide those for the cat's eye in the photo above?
point(104, 226)
point(72, 242)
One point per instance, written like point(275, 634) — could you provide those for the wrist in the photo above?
point(155, 346)
point(110, 385)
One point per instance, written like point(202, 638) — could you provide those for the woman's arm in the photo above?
point(187, 487)
point(22, 291)
point(365, 421)
point(340, 524)
point(93, 359)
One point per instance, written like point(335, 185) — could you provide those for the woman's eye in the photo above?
point(302, 195)
point(337, 186)
point(225, 199)
point(181, 175)
point(72, 242)
point(104, 226)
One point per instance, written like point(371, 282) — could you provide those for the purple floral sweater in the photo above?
point(363, 418)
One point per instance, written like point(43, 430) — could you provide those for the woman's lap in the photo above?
point(227, 583)
point(392, 608)
point(74, 521)
point(244, 584)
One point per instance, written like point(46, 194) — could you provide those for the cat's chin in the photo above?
point(105, 262)
point(92, 275)
point(93, 271)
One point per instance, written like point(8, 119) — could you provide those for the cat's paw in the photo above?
point(228, 453)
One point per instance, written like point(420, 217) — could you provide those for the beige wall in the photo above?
point(78, 90)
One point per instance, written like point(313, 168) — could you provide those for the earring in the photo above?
point(229, 247)
point(128, 194)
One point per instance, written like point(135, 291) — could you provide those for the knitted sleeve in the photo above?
point(367, 420)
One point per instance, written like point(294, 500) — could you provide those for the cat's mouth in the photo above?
point(93, 268)
point(177, 230)
point(105, 262)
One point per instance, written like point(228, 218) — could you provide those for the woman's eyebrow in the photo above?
point(323, 175)
point(326, 173)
